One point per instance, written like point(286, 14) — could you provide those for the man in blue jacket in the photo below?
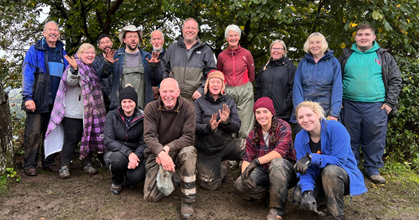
point(42, 69)
point(371, 87)
point(131, 65)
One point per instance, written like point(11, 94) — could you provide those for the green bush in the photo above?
point(403, 127)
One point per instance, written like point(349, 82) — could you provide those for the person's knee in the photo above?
point(149, 198)
point(330, 172)
point(117, 161)
point(188, 153)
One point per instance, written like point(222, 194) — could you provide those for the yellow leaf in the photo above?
point(398, 5)
point(344, 20)
point(408, 21)
point(380, 30)
point(242, 27)
point(353, 34)
point(410, 77)
point(343, 45)
point(354, 24)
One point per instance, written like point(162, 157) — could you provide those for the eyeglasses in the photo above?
point(132, 37)
point(277, 49)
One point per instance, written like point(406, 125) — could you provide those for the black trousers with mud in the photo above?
point(185, 162)
point(273, 182)
point(213, 168)
point(330, 188)
point(73, 131)
point(117, 163)
point(35, 127)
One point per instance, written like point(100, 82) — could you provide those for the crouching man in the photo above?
point(169, 132)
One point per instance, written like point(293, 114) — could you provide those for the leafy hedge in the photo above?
point(403, 127)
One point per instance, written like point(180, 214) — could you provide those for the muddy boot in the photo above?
point(377, 179)
point(273, 214)
point(64, 172)
point(89, 169)
point(116, 189)
point(186, 211)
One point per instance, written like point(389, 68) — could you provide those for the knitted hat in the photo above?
point(264, 102)
point(215, 74)
point(128, 93)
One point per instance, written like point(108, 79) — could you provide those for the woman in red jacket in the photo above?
point(239, 70)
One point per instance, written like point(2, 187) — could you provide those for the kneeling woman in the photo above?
point(125, 142)
point(267, 164)
point(326, 165)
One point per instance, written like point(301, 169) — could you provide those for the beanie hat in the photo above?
point(128, 93)
point(215, 74)
point(264, 102)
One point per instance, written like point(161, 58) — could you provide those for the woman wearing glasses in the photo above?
point(275, 80)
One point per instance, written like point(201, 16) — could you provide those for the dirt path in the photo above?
point(89, 197)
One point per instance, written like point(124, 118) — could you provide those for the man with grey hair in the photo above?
point(157, 41)
point(42, 70)
point(189, 61)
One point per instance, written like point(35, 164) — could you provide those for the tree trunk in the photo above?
point(6, 144)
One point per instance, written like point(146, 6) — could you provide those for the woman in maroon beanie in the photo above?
point(269, 158)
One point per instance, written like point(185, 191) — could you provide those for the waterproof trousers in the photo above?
point(273, 183)
point(117, 163)
point(367, 125)
point(330, 187)
point(244, 98)
point(213, 168)
point(185, 162)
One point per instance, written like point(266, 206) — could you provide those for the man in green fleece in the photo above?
point(371, 86)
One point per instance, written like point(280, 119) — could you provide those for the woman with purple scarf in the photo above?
point(78, 113)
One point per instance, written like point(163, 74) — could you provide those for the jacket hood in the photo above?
point(283, 61)
point(374, 48)
point(327, 55)
point(42, 45)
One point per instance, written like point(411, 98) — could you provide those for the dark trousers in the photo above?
point(330, 188)
point(185, 162)
point(73, 131)
point(117, 163)
point(367, 125)
point(210, 169)
point(273, 182)
point(35, 127)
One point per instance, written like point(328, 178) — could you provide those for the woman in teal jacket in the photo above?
point(318, 78)
point(326, 165)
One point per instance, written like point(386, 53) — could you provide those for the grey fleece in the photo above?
point(73, 102)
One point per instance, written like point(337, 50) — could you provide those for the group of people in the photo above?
point(175, 116)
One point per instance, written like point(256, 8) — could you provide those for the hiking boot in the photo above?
point(377, 179)
point(186, 211)
point(30, 172)
point(116, 189)
point(52, 169)
point(64, 172)
point(273, 214)
point(89, 169)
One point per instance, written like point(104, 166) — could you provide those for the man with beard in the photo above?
point(157, 41)
point(42, 70)
point(131, 65)
point(189, 61)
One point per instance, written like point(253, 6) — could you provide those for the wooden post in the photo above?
point(6, 143)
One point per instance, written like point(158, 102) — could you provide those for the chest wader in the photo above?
point(135, 77)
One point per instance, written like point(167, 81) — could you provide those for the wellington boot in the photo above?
point(186, 211)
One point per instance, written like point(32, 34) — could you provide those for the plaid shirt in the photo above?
point(284, 144)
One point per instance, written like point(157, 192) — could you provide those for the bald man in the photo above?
point(169, 132)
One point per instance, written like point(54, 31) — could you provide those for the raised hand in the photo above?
point(213, 122)
point(71, 61)
point(109, 56)
point(154, 57)
point(225, 113)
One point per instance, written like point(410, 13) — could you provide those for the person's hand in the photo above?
point(213, 122)
point(308, 201)
point(109, 56)
point(133, 161)
point(30, 105)
point(333, 118)
point(196, 95)
point(249, 169)
point(166, 161)
point(302, 164)
point(388, 108)
point(71, 61)
point(154, 57)
point(248, 184)
point(225, 113)
point(155, 92)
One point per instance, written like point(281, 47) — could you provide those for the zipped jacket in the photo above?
point(237, 65)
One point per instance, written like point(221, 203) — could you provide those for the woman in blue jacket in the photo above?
point(318, 78)
point(326, 165)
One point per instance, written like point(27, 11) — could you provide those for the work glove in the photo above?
point(308, 201)
point(302, 164)
point(247, 182)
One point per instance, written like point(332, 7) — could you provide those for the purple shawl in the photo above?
point(94, 109)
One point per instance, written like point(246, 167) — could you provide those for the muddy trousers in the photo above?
point(117, 163)
point(35, 127)
point(244, 98)
point(185, 162)
point(211, 169)
point(329, 188)
point(73, 131)
point(367, 125)
point(273, 183)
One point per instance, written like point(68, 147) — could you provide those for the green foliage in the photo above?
point(403, 127)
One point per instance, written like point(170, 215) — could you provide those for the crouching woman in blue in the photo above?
point(326, 165)
point(124, 141)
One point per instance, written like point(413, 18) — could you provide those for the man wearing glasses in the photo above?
point(189, 61)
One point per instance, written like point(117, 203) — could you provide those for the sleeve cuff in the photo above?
point(316, 159)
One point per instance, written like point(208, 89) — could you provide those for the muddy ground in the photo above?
point(88, 197)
